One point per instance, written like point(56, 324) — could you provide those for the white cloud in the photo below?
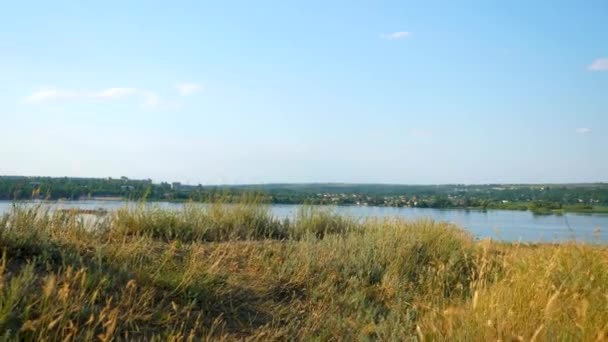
point(600, 64)
point(396, 35)
point(187, 89)
point(49, 94)
point(583, 130)
point(148, 98)
point(114, 93)
point(45, 95)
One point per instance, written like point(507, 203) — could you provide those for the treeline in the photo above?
point(25, 188)
point(70, 188)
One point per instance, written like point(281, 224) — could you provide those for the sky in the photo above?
point(225, 92)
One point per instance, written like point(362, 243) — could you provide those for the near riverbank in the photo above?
point(237, 272)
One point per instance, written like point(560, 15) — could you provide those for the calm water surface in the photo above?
point(497, 224)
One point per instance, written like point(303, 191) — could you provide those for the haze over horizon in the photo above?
point(291, 92)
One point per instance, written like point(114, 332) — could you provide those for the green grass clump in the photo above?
point(215, 222)
point(233, 271)
point(317, 223)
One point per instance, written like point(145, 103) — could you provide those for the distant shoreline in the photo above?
point(601, 210)
point(109, 199)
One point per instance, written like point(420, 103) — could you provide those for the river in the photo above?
point(502, 225)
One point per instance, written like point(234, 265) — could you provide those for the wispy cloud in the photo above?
point(583, 130)
point(148, 98)
point(52, 94)
point(600, 64)
point(187, 89)
point(49, 94)
point(396, 35)
point(114, 93)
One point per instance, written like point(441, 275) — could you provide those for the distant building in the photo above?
point(177, 186)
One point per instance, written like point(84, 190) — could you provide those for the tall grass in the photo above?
point(233, 271)
point(216, 222)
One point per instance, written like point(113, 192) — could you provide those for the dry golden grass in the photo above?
point(234, 272)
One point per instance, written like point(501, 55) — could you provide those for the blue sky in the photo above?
point(307, 91)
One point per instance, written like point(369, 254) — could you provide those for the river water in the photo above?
point(502, 225)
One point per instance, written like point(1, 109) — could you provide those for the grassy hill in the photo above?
point(235, 272)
